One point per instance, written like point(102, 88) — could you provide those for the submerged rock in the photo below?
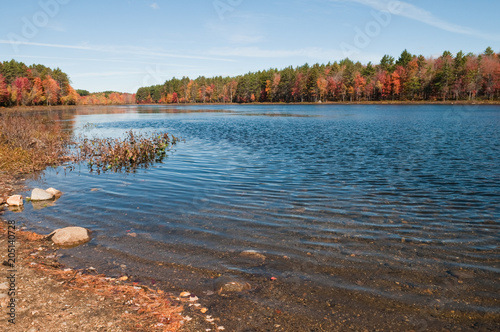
point(41, 195)
point(56, 193)
point(69, 236)
point(15, 200)
point(224, 285)
point(39, 205)
point(253, 254)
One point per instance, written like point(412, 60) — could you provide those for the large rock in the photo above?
point(41, 195)
point(56, 193)
point(69, 236)
point(15, 200)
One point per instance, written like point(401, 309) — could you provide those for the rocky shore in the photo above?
point(37, 293)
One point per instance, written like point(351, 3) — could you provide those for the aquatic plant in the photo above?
point(126, 154)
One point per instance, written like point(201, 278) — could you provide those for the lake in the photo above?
point(365, 216)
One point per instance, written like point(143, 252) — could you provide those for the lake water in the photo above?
point(360, 211)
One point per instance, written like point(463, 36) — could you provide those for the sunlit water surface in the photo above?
point(397, 202)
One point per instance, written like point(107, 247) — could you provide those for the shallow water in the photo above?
point(393, 205)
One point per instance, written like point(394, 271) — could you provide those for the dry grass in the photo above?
point(30, 143)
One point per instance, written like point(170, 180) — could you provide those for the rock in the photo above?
point(69, 236)
point(1, 200)
point(41, 195)
point(56, 193)
point(224, 285)
point(15, 200)
point(252, 254)
point(38, 205)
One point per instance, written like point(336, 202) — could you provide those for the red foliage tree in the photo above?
point(51, 89)
point(23, 87)
point(4, 92)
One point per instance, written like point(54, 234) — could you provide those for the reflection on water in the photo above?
point(396, 203)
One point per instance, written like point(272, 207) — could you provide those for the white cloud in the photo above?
point(155, 6)
point(413, 12)
point(245, 39)
point(142, 51)
point(106, 74)
point(315, 53)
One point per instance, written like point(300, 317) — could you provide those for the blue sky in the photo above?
point(123, 45)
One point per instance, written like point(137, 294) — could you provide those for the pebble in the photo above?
point(252, 254)
point(225, 285)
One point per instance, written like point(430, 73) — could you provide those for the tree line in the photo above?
point(22, 85)
point(409, 78)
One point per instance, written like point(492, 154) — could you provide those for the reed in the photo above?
point(126, 154)
point(31, 143)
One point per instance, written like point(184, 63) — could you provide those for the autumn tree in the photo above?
point(22, 86)
point(4, 94)
point(51, 89)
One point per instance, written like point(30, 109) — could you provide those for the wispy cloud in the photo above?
point(315, 53)
point(155, 6)
point(106, 74)
point(413, 12)
point(113, 60)
point(245, 39)
point(142, 51)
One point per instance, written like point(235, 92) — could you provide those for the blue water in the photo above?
point(368, 190)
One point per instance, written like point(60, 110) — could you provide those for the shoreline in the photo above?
point(45, 295)
point(332, 103)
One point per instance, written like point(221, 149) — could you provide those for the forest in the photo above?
point(22, 85)
point(409, 78)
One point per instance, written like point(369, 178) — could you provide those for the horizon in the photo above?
point(141, 43)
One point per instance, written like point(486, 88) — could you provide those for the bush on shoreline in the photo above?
point(31, 143)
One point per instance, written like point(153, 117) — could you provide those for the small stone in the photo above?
point(252, 254)
point(69, 236)
point(40, 195)
point(225, 285)
point(56, 193)
point(185, 294)
point(15, 200)
point(132, 234)
point(123, 278)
